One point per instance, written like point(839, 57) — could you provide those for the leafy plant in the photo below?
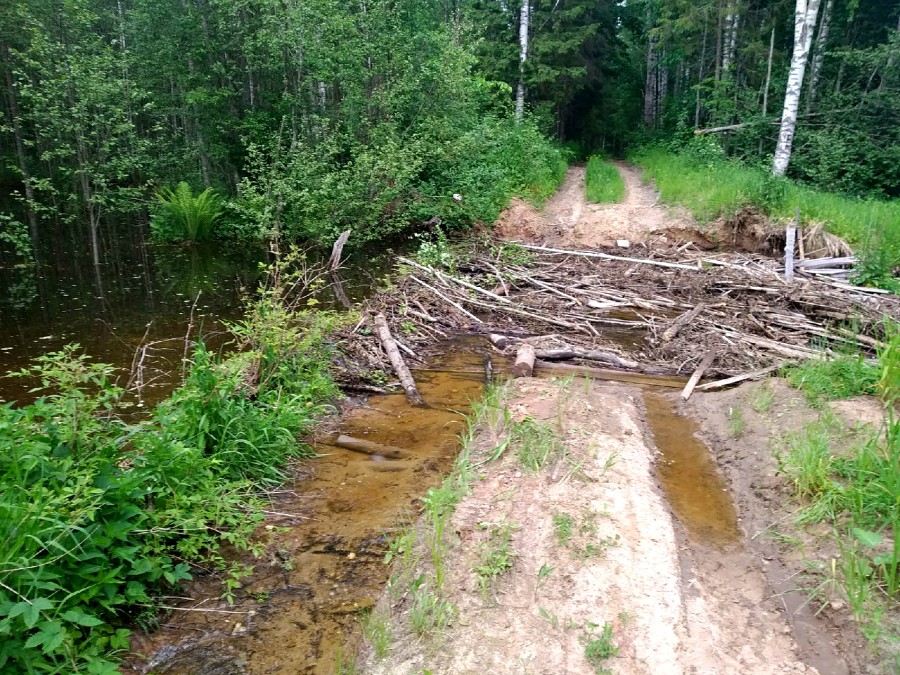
point(535, 443)
point(836, 378)
point(183, 216)
point(600, 648)
point(495, 555)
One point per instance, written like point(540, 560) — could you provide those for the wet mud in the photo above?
point(327, 538)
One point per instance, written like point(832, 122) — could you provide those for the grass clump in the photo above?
point(535, 443)
point(603, 183)
point(834, 378)
point(599, 648)
point(376, 629)
point(495, 556)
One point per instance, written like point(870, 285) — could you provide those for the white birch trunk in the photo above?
point(651, 89)
point(732, 23)
point(804, 24)
point(524, 19)
point(815, 71)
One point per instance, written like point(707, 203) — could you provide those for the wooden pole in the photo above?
point(399, 366)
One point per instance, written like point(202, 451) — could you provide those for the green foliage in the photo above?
point(603, 182)
point(495, 555)
point(182, 216)
point(835, 378)
point(535, 443)
point(14, 237)
point(600, 648)
point(713, 187)
point(99, 517)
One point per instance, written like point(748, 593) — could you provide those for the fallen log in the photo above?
point(397, 363)
point(679, 323)
point(524, 365)
point(755, 375)
point(370, 447)
point(695, 378)
point(587, 355)
point(552, 369)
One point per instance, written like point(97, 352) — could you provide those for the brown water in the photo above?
point(692, 483)
point(139, 293)
point(305, 599)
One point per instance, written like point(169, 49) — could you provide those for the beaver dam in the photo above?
point(675, 319)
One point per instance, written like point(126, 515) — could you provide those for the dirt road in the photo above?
point(568, 219)
point(627, 546)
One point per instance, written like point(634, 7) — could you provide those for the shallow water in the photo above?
point(692, 484)
point(140, 293)
point(327, 566)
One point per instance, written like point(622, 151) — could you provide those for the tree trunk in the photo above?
point(729, 48)
point(804, 23)
point(815, 71)
point(651, 90)
point(524, 20)
point(21, 156)
point(765, 103)
point(719, 45)
point(700, 71)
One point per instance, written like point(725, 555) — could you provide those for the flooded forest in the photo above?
point(449, 336)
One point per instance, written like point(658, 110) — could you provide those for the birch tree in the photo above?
point(804, 24)
point(815, 71)
point(524, 19)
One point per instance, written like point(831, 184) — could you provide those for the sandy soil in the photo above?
point(677, 604)
point(568, 219)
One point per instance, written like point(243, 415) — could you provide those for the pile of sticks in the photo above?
point(661, 314)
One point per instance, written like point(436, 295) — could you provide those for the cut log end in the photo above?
point(524, 365)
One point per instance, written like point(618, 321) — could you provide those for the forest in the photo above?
point(171, 172)
point(305, 118)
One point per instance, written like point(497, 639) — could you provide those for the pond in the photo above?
point(140, 293)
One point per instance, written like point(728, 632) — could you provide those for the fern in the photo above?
point(183, 216)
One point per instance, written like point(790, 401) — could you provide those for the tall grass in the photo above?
point(603, 184)
point(714, 187)
point(856, 492)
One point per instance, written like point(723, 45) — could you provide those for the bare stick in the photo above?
point(606, 256)
point(680, 323)
point(695, 378)
point(446, 299)
point(755, 375)
point(335, 260)
point(399, 366)
point(370, 447)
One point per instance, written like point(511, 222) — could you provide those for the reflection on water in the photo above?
point(139, 293)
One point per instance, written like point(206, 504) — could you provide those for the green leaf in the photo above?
point(82, 619)
point(867, 538)
point(33, 611)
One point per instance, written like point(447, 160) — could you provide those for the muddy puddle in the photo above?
point(692, 484)
point(328, 537)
